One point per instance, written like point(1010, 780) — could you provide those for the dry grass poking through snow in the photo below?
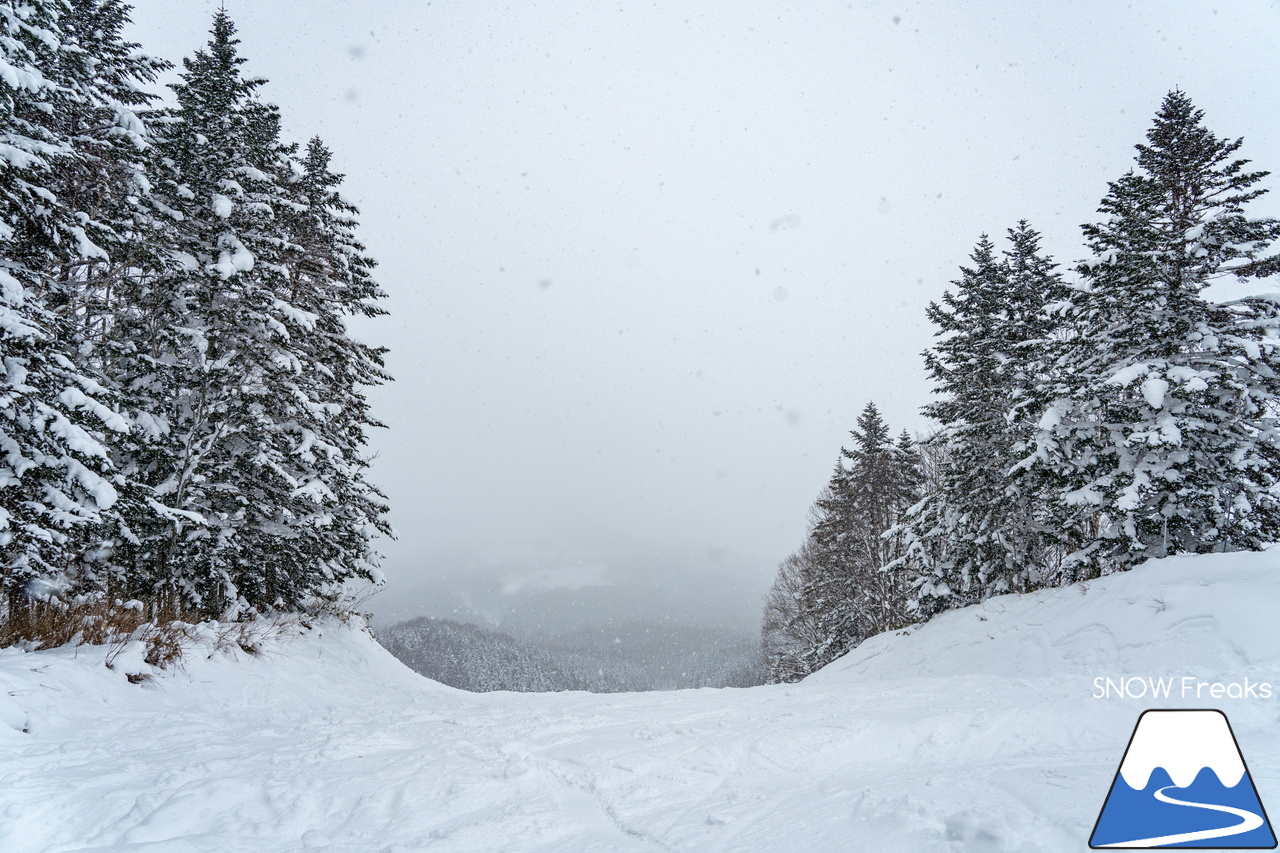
point(165, 632)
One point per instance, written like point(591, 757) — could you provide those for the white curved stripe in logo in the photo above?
point(1249, 821)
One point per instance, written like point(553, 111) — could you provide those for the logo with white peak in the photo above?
point(1183, 783)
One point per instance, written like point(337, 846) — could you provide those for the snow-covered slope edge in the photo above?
point(976, 732)
point(190, 758)
point(41, 691)
point(1200, 615)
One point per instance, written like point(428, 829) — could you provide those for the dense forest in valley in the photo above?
point(594, 658)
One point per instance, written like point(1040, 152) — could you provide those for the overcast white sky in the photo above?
point(648, 261)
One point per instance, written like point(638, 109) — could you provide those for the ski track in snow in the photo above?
point(976, 733)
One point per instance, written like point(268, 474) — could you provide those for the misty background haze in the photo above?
point(646, 263)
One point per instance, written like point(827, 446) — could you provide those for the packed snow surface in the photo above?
point(978, 731)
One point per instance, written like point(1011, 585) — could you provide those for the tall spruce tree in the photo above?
point(250, 441)
point(854, 593)
point(1160, 432)
point(331, 279)
point(980, 533)
point(58, 489)
point(100, 109)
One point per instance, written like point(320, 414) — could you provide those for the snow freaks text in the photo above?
point(1178, 687)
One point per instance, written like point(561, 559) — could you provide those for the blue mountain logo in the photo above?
point(1183, 783)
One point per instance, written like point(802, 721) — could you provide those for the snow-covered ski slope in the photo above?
point(976, 732)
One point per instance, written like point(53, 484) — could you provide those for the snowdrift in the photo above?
point(979, 731)
point(1205, 614)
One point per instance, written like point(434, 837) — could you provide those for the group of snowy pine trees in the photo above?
point(838, 589)
point(182, 415)
point(1087, 423)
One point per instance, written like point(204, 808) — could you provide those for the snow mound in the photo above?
point(47, 689)
point(1205, 614)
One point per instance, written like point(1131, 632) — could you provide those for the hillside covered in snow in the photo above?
point(979, 731)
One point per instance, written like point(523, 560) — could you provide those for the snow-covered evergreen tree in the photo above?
point(845, 592)
point(792, 625)
point(1160, 433)
point(251, 436)
point(55, 476)
point(99, 107)
point(980, 533)
point(331, 278)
